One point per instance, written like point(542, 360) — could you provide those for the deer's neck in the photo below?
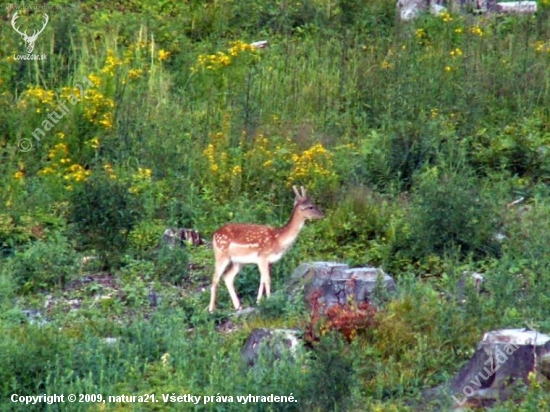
point(290, 231)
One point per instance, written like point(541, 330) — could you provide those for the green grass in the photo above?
point(412, 138)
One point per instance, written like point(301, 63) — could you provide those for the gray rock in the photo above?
point(272, 343)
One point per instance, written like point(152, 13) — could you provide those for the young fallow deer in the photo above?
point(236, 244)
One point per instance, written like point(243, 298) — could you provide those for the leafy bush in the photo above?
point(350, 319)
point(449, 213)
point(102, 213)
point(44, 265)
point(363, 229)
point(333, 367)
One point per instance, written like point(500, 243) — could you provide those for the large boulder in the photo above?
point(331, 283)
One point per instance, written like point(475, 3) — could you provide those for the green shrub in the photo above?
point(103, 213)
point(44, 265)
point(332, 367)
point(449, 212)
point(363, 229)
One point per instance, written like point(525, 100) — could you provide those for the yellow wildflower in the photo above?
point(446, 17)
point(456, 52)
point(135, 73)
point(476, 30)
point(95, 79)
point(109, 169)
point(163, 55)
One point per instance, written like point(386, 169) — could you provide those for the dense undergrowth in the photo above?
point(413, 139)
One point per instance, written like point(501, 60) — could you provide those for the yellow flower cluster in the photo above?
point(237, 170)
point(61, 167)
point(224, 165)
point(212, 61)
point(135, 73)
point(95, 79)
point(263, 161)
point(77, 173)
point(456, 52)
point(19, 175)
point(163, 55)
point(111, 63)
point(238, 47)
point(46, 97)
point(446, 17)
point(476, 30)
point(37, 96)
point(143, 174)
point(98, 109)
point(210, 154)
point(140, 180)
point(110, 171)
point(542, 47)
point(261, 155)
point(93, 143)
point(313, 163)
point(222, 59)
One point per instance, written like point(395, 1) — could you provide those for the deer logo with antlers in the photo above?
point(29, 40)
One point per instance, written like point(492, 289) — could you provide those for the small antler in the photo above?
point(300, 195)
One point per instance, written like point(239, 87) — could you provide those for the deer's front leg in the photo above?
point(265, 279)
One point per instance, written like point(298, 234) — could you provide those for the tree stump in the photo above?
point(503, 359)
point(330, 283)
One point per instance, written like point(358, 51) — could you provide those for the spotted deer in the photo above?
point(237, 244)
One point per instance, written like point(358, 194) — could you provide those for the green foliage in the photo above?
point(103, 213)
point(364, 228)
point(43, 265)
point(450, 213)
point(332, 356)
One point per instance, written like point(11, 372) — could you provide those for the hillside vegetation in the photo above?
point(411, 137)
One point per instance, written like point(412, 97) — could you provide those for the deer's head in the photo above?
point(304, 205)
